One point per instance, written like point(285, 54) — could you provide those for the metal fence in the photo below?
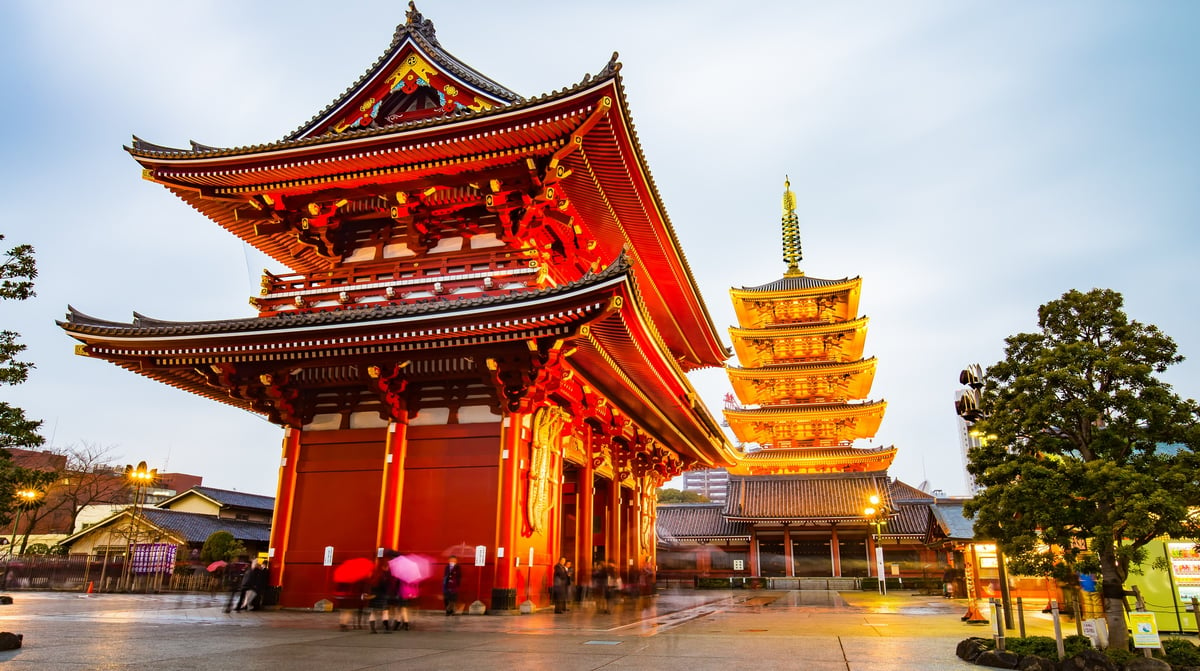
point(84, 574)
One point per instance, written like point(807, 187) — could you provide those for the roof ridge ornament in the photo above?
point(416, 21)
point(791, 232)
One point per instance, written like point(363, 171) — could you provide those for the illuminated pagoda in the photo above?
point(802, 486)
point(483, 337)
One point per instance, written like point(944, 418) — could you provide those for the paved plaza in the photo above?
point(679, 629)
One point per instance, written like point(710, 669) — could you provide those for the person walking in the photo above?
point(451, 580)
point(562, 585)
point(600, 586)
point(381, 591)
point(254, 585)
point(405, 594)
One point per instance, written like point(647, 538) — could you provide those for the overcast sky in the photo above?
point(970, 160)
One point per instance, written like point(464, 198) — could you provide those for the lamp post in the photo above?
point(25, 499)
point(139, 477)
point(969, 407)
point(876, 515)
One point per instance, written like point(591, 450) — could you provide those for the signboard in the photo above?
point(1145, 630)
point(739, 564)
point(480, 555)
point(154, 557)
point(328, 556)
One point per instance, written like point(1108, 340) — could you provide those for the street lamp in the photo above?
point(25, 499)
point(140, 477)
point(876, 515)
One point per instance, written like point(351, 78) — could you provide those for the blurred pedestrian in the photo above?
point(451, 580)
point(254, 585)
point(405, 594)
point(600, 586)
point(382, 589)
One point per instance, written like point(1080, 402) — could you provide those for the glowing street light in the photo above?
point(876, 515)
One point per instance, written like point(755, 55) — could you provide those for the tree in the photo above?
point(86, 477)
point(1090, 456)
point(677, 496)
point(221, 545)
point(17, 271)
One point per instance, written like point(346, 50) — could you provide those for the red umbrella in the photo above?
point(353, 570)
point(410, 568)
point(216, 565)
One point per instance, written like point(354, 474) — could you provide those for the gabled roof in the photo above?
point(414, 39)
point(905, 493)
point(697, 522)
point(225, 498)
point(948, 521)
point(186, 527)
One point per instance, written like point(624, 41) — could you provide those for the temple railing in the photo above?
point(403, 281)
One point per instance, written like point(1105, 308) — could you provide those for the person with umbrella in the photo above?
point(451, 580)
point(408, 571)
point(350, 581)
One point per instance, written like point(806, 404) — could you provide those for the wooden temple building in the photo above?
point(484, 334)
point(796, 504)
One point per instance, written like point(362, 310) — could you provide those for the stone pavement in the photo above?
point(679, 629)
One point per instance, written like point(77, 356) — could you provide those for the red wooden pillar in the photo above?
point(584, 512)
point(512, 437)
point(835, 550)
point(613, 541)
point(388, 535)
point(789, 567)
point(285, 495)
point(755, 569)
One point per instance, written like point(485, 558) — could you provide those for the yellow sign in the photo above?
point(1145, 630)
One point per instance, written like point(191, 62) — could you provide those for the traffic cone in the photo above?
point(91, 584)
point(974, 615)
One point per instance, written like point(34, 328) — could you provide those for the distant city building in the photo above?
point(711, 484)
point(965, 442)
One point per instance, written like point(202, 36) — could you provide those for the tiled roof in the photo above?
point(228, 497)
point(696, 521)
point(793, 497)
point(903, 492)
point(196, 528)
point(951, 522)
point(911, 519)
point(810, 453)
point(799, 282)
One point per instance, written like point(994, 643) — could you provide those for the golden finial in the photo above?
point(791, 231)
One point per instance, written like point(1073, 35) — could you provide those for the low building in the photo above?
point(185, 520)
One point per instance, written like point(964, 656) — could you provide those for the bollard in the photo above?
point(998, 630)
point(1021, 616)
point(1058, 639)
point(1196, 614)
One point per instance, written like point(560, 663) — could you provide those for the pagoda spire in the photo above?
point(791, 232)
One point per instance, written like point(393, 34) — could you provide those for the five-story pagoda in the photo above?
point(801, 485)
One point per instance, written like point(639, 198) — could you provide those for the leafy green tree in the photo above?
point(677, 496)
point(17, 271)
point(221, 545)
point(1090, 456)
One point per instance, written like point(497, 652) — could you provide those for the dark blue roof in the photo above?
point(228, 497)
point(196, 528)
